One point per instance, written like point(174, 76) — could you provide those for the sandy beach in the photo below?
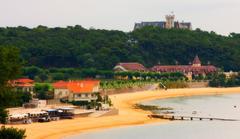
point(127, 114)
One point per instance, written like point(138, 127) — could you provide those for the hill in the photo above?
point(102, 49)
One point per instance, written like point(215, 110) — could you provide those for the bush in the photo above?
point(174, 84)
point(43, 91)
point(12, 133)
point(80, 103)
point(151, 107)
point(3, 115)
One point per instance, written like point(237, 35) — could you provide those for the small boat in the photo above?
point(194, 112)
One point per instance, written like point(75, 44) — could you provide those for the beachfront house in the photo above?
point(23, 84)
point(120, 67)
point(81, 90)
point(61, 89)
point(128, 67)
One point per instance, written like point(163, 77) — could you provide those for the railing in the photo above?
point(172, 117)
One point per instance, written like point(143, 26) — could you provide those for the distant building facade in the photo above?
point(195, 69)
point(82, 90)
point(168, 24)
point(230, 74)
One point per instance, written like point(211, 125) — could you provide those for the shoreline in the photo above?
point(128, 116)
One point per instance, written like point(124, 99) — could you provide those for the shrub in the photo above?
point(174, 84)
point(3, 115)
point(43, 91)
point(12, 133)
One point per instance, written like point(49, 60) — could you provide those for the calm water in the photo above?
point(220, 106)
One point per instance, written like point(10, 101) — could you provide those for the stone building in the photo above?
point(168, 24)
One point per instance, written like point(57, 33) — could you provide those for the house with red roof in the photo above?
point(23, 84)
point(81, 90)
point(60, 89)
point(129, 67)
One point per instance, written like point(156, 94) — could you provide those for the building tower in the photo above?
point(196, 62)
point(170, 21)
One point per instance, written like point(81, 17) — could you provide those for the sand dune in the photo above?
point(127, 114)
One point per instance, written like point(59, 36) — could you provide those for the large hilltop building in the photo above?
point(168, 24)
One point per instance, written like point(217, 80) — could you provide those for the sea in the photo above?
point(217, 106)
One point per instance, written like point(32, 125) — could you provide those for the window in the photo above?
point(60, 93)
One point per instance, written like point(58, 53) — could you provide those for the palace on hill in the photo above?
point(168, 24)
point(195, 69)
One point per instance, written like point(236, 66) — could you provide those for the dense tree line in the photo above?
point(55, 74)
point(220, 80)
point(102, 49)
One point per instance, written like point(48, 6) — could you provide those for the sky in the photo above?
point(221, 16)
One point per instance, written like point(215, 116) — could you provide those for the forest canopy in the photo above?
point(77, 47)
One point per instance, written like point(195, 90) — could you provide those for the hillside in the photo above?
point(102, 49)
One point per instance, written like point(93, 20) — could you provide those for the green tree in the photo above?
point(3, 115)
point(102, 49)
point(9, 64)
point(43, 91)
point(9, 69)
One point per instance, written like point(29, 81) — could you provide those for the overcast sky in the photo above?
point(221, 16)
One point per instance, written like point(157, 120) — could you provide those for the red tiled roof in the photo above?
point(22, 82)
point(196, 60)
point(25, 85)
point(82, 86)
point(60, 85)
point(185, 69)
point(132, 66)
